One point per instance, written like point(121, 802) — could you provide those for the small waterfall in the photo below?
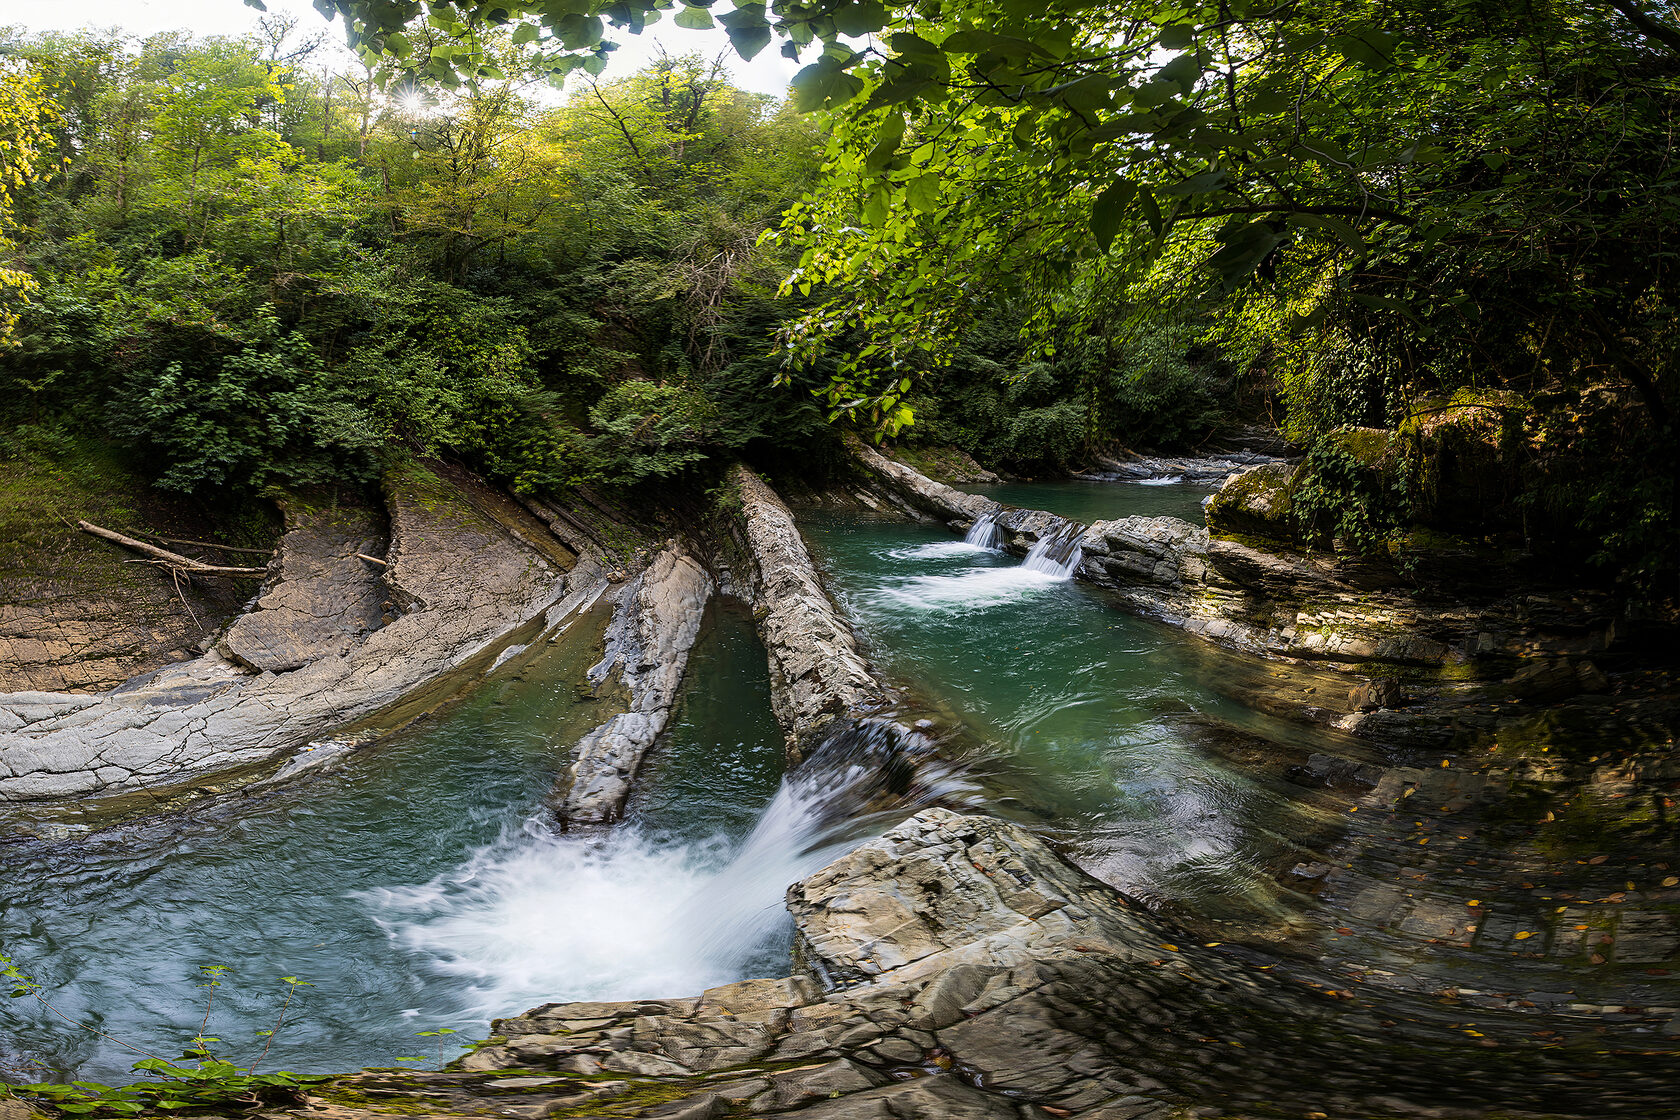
point(985, 533)
point(537, 915)
point(1056, 554)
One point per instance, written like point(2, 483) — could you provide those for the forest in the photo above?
point(1432, 242)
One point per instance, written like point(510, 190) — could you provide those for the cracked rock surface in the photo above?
point(458, 581)
point(817, 673)
point(648, 643)
point(322, 598)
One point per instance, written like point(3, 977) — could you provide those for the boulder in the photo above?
point(1259, 502)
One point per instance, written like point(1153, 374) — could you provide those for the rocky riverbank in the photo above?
point(957, 967)
point(335, 637)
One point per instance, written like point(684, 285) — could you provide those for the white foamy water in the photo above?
point(1161, 480)
point(938, 550)
point(536, 917)
point(977, 587)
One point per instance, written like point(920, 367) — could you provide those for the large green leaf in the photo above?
point(1109, 208)
point(823, 85)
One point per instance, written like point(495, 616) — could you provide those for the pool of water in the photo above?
point(1088, 501)
point(421, 886)
point(1105, 725)
point(418, 887)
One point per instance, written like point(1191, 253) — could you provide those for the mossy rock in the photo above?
point(1257, 503)
point(1373, 447)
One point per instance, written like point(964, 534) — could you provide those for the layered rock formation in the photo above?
point(817, 673)
point(459, 580)
point(957, 967)
point(655, 627)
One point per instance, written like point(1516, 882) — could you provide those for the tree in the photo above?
point(25, 139)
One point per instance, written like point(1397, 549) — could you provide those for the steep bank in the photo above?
point(465, 568)
point(78, 614)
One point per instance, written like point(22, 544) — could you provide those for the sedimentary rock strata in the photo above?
point(457, 582)
point(657, 621)
point(816, 670)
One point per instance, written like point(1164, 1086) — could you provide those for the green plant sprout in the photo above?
point(211, 1084)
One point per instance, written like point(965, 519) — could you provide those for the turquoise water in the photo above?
point(422, 886)
point(418, 887)
point(1090, 501)
point(1107, 726)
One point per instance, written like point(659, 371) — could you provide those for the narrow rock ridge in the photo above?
point(654, 627)
point(958, 968)
point(817, 673)
point(457, 583)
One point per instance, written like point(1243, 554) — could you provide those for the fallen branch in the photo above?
point(172, 559)
point(372, 559)
point(209, 544)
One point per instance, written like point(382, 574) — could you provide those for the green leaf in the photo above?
point(525, 33)
point(748, 41)
point(1242, 251)
point(886, 143)
point(861, 17)
point(1371, 48)
point(1108, 208)
point(923, 193)
point(1184, 72)
point(397, 43)
point(1177, 36)
point(823, 85)
point(1345, 232)
point(1205, 183)
point(695, 19)
point(1151, 211)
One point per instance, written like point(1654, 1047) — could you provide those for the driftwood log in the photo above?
point(183, 564)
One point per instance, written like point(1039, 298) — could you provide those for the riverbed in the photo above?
point(422, 885)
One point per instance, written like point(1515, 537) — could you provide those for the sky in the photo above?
point(768, 73)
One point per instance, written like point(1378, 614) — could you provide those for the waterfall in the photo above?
point(1058, 553)
point(536, 915)
point(985, 532)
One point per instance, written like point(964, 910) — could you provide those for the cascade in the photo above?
point(985, 532)
point(544, 916)
point(1056, 554)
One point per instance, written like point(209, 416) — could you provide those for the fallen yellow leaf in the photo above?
point(1524, 935)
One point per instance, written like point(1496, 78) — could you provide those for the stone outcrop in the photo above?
point(657, 621)
point(919, 491)
point(1264, 596)
point(323, 593)
point(459, 581)
point(957, 967)
point(817, 673)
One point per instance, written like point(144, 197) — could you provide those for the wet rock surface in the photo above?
point(959, 967)
point(817, 673)
point(459, 580)
point(654, 628)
